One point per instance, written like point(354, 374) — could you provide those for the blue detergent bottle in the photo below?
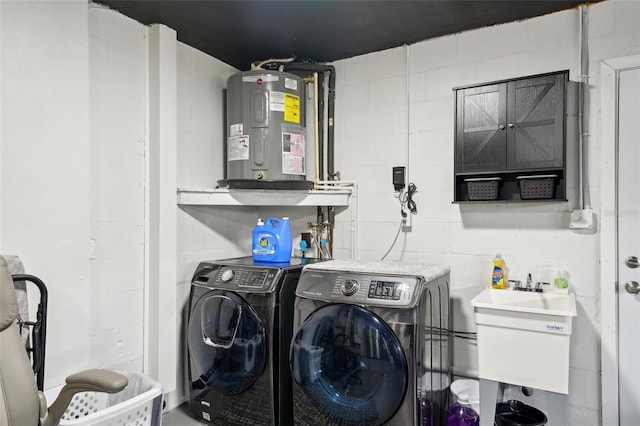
point(272, 240)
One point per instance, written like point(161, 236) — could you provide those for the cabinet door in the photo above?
point(535, 122)
point(480, 128)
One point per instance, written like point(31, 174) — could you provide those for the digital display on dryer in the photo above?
point(252, 279)
point(386, 290)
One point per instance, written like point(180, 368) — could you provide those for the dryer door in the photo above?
point(227, 342)
point(350, 365)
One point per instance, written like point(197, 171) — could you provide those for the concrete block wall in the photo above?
point(117, 102)
point(44, 165)
point(382, 94)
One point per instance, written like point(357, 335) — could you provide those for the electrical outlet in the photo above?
point(406, 219)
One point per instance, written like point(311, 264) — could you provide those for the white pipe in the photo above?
point(316, 124)
point(268, 61)
point(336, 182)
point(330, 188)
point(346, 182)
point(580, 109)
point(354, 221)
point(583, 112)
point(408, 110)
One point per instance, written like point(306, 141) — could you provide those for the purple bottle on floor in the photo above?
point(461, 413)
point(425, 411)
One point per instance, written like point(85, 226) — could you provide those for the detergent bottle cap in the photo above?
point(463, 398)
point(260, 222)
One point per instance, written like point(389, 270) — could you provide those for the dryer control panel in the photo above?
point(372, 290)
point(237, 277)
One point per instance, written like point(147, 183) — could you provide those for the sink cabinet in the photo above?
point(511, 128)
point(524, 339)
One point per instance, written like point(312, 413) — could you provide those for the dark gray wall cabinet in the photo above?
point(510, 131)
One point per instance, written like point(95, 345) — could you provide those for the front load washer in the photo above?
point(370, 344)
point(240, 321)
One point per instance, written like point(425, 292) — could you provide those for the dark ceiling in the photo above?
point(243, 31)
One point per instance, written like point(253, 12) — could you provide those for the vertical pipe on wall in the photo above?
point(408, 118)
point(583, 108)
point(316, 143)
point(319, 138)
point(331, 99)
point(319, 98)
point(319, 72)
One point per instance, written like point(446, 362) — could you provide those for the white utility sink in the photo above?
point(549, 303)
point(524, 337)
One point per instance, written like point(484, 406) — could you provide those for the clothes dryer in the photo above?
point(240, 322)
point(371, 344)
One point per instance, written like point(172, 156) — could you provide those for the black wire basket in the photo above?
point(538, 187)
point(483, 189)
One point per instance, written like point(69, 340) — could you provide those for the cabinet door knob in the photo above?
point(501, 127)
point(510, 125)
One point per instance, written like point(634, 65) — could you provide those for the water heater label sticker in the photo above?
point(236, 129)
point(276, 101)
point(290, 83)
point(238, 148)
point(293, 154)
point(292, 108)
point(262, 78)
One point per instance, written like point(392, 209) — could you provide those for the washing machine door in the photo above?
point(227, 343)
point(350, 365)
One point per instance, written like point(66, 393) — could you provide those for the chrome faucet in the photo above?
point(529, 286)
point(539, 285)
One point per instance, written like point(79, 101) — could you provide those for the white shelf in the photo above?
point(263, 197)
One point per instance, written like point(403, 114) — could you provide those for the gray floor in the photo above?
point(180, 417)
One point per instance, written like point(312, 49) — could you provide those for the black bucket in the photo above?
point(516, 413)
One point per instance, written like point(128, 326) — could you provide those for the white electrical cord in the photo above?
point(272, 60)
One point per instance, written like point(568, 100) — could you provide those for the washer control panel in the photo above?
point(375, 290)
point(386, 290)
point(350, 287)
point(236, 277)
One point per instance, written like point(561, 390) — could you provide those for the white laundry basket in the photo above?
point(138, 404)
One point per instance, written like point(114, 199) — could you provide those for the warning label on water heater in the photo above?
point(293, 154)
point(236, 129)
point(276, 101)
point(292, 108)
point(287, 103)
point(238, 147)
